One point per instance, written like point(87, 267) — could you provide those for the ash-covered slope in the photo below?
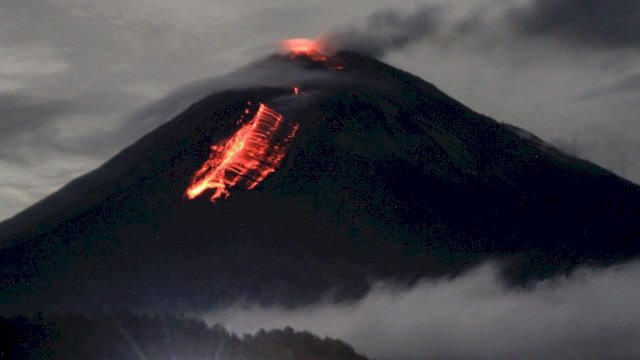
point(385, 177)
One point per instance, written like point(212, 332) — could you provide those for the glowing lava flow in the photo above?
point(252, 153)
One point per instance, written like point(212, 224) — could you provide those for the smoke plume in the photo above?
point(386, 30)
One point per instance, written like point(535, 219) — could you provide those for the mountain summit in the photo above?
point(314, 177)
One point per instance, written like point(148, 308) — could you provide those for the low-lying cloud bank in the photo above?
point(592, 313)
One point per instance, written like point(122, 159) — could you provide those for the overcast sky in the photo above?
point(73, 73)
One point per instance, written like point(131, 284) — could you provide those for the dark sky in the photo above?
point(73, 73)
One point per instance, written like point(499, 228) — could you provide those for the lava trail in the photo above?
point(246, 158)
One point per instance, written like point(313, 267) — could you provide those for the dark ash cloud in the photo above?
point(588, 314)
point(388, 29)
point(596, 23)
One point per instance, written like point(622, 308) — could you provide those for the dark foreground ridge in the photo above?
point(387, 177)
point(123, 335)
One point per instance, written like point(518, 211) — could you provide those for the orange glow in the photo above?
point(249, 156)
point(313, 49)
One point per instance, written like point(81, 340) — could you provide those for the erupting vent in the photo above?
point(309, 48)
point(245, 159)
point(312, 49)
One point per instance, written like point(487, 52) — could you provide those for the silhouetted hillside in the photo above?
point(124, 335)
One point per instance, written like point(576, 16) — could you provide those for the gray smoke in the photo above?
point(388, 29)
point(597, 23)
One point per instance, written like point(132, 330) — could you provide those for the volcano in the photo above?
point(332, 172)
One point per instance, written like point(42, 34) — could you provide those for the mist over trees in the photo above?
point(124, 335)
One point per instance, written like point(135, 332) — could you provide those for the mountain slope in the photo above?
point(386, 177)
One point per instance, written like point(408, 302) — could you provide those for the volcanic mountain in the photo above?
point(314, 176)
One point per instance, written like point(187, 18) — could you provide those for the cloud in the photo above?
point(589, 314)
point(601, 24)
point(22, 113)
point(613, 146)
point(22, 184)
point(45, 142)
point(388, 29)
point(57, 122)
point(25, 64)
point(628, 84)
point(32, 60)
